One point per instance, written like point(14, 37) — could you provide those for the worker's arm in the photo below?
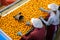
point(26, 37)
point(42, 9)
point(49, 22)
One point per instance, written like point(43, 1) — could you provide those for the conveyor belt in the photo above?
point(31, 9)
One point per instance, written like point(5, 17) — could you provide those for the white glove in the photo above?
point(40, 17)
point(28, 23)
point(42, 9)
point(19, 33)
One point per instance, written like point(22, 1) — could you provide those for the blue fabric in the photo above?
point(1, 37)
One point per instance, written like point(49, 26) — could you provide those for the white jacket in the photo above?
point(53, 19)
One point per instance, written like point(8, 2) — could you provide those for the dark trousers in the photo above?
point(50, 32)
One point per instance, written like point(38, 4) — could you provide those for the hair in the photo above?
point(59, 8)
point(21, 17)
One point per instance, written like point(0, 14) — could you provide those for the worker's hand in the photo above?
point(19, 33)
point(41, 8)
point(28, 23)
point(40, 17)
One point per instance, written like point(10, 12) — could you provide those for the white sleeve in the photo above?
point(49, 22)
point(58, 13)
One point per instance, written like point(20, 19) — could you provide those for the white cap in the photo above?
point(37, 23)
point(53, 7)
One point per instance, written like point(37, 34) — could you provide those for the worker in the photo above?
point(52, 22)
point(38, 33)
point(18, 16)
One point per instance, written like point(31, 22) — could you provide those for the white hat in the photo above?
point(53, 7)
point(37, 23)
